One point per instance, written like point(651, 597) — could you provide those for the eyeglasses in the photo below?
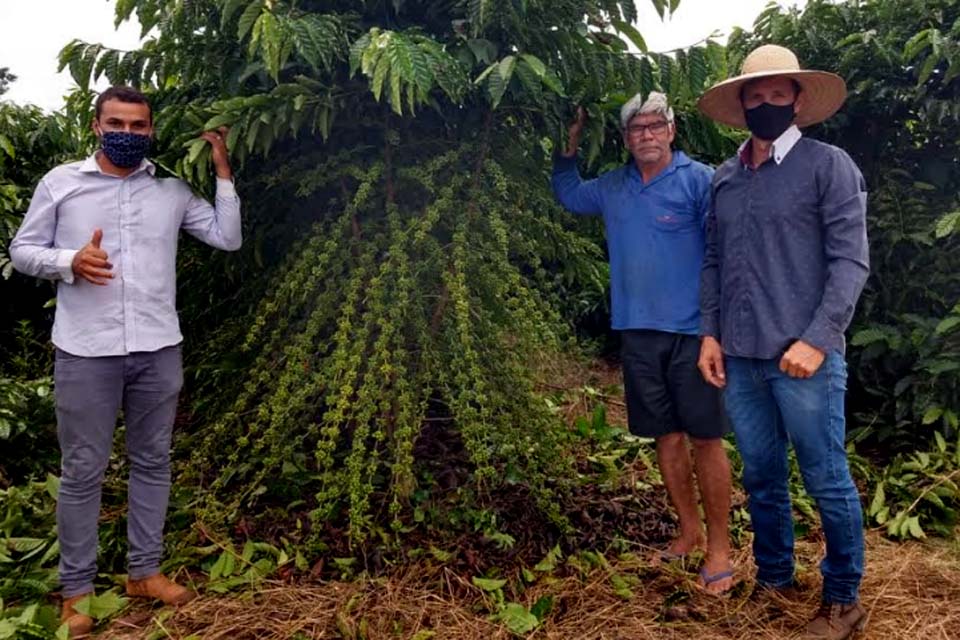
point(657, 128)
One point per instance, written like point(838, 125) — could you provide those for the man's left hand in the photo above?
point(218, 151)
point(801, 360)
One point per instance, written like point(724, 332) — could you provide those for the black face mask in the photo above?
point(768, 121)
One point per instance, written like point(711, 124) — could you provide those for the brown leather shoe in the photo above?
point(763, 593)
point(160, 587)
point(836, 622)
point(79, 624)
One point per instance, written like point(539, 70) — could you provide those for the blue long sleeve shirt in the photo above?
point(655, 238)
point(787, 253)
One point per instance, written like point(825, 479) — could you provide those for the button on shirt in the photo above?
point(655, 238)
point(141, 216)
point(787, 253)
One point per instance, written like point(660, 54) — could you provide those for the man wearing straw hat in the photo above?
point(653, 210)
point(785, 262)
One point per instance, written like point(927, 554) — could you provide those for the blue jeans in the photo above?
point(90, 393)
point(768, 408)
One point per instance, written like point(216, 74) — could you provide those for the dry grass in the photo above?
point(912, 591)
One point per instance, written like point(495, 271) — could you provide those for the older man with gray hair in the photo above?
point(654, 210)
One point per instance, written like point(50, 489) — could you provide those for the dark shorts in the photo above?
point(664, 389)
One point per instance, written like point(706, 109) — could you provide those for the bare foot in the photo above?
point(716, 575)
point(679, 548)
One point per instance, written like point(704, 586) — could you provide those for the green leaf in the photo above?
point(224, 566)
point(530, 81)
point(916, 44)
point(102, 606)
point(194, 147)
point(535, 63)
point(632, 34)
point(483, 50)
point(488, 584)
point(913, 526)
point(358, 51)
point(948, 224)
point(7, 146)
point(516, 618)
point(941, 441)
point(553, 82)
point(549, 563)
point(248, 18)
point(879, 500)
point(951, 417)
point(620, 586)
point(947, 324)
point(882, 516)
point(865, 337)
point(500, 79)
point(928, 66)
point(942, 366)
point(934, 499)
point(542, 607)
point(52, 485)
point(230, 7)
point(932, 415)
point(219, 120)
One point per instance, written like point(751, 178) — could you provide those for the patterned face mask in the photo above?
point(125, 149)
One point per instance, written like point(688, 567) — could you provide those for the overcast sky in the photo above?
point(32, 32)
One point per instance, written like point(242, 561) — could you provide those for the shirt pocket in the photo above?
point(676, 221)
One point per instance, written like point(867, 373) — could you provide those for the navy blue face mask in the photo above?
point(125, 149)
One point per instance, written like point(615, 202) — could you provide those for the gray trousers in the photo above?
point(89, 394)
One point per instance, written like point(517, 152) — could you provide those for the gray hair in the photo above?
point(656, 102)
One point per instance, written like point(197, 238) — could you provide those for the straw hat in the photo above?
point(823, 92)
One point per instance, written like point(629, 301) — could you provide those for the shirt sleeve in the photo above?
point(216, 225)
point(704, 195)
point(843, 212)
point(32, 249)
point(710, 275)
point(576, 195)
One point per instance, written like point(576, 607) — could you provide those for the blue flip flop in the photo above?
point(710, 578)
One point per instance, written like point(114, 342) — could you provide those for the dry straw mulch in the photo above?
point(911, 591)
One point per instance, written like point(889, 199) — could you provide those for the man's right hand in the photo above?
point(574, 133)
point(711, 362)
point(90, 263)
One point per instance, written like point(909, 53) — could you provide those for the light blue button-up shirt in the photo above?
point(141, 216)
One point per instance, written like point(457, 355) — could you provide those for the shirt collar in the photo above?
point(679, 159)
point(90, 165)
point(778, 150)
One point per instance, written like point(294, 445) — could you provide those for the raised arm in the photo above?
point(576, 195)
point(217, 225)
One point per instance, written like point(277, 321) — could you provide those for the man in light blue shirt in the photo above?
point(653, 210)
point(106, 229)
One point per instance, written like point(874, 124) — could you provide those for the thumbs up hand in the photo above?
point(90, 262)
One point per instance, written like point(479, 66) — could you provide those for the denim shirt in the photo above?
point(141, 217)
point(655, 238)
point(787, 253)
